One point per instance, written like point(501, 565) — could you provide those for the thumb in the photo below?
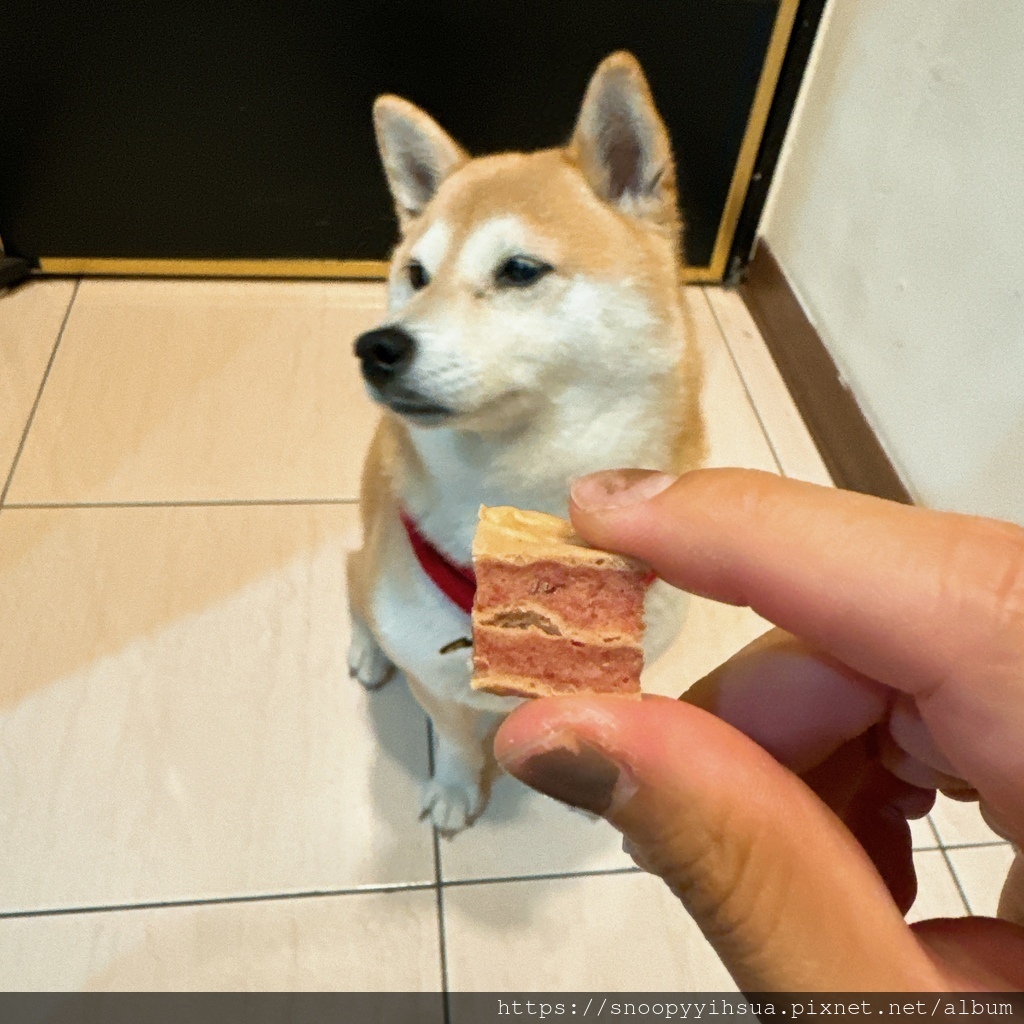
point(777, 884)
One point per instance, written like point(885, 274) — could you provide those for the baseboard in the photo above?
point(849, 447)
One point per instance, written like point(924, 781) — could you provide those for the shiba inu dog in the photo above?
point(535, 333)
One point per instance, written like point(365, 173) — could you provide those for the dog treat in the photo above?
point(553, 615)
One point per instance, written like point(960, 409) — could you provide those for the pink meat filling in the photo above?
point(561, 662)
point(589, 598)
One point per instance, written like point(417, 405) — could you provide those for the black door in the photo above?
point(235, 137)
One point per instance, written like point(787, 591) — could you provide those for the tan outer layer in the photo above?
point(527, 686)
point(520, 537)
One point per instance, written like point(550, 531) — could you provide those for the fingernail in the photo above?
point(616, 488)
point(581, 777)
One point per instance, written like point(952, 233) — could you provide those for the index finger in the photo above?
point(929, 603)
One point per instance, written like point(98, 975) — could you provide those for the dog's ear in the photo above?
point(417, 153)
point(622, 146)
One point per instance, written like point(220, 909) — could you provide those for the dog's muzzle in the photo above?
point(386, 353)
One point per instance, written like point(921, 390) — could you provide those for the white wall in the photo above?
point(898, 215)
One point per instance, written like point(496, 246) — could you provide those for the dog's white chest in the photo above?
point(414, 623)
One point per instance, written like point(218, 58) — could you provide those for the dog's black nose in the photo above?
point(385, 353)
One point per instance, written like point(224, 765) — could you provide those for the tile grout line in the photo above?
point(442, 934)
point(956, 881)
point(442, 937)
point(743, 381)
point(39, 393)
point(980, 844)
point(950, 868)
point(549, 876)
point(358, 890)
point(216, 901)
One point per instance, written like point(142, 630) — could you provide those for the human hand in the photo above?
point(898, 668)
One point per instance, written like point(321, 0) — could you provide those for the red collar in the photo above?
point(456, 582)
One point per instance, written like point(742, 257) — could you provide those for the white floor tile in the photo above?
point(176, 716)
point(204, 390)
point(775, 407)
point(922, 835)
point(711, 633)
point(362, 942)
point(30, 320)
point(981, 871)
point(735, 437)
point(937, 894)
point(601, 933)
point(959, 823)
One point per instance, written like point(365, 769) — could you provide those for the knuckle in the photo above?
point(1007, 593)
point(734, 893)
point(1002, 582)
point(981, 584)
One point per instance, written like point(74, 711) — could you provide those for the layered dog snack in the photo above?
point(553, 615)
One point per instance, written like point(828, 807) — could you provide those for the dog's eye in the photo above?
point(418, 276)
point(521, 272)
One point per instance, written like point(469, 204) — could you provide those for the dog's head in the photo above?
point(518, 273)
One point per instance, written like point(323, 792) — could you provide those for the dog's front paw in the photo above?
point(367, 662)
point(451, 806)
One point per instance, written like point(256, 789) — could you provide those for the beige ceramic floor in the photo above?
point(192, 792)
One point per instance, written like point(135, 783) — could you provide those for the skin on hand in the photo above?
point(773, 799)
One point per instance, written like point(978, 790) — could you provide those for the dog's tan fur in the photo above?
point(594, 367)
